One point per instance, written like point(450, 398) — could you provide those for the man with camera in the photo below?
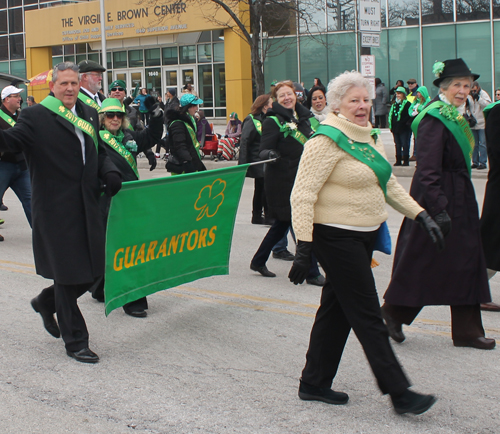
point(477, 101)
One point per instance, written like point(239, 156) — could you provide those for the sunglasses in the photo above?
point(111, 115)
point(118, 89)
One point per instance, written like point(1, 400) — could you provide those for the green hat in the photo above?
point(401, 89)
point(112, 105)
point(117, 83)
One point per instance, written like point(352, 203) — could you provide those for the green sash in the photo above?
point(456, 124)
point(7, 118)
point(89, 101)
point(257, 124)
point(287, 131)
point(192, 134)
point(487, 109)
point(314, 124)
point(108, 138)
point(56, 106)
point(363, 152)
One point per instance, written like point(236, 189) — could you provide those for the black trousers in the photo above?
point(466, 322)
point(380, 121)
point(98, 292)
point(62, 299)
point(259, 202)
point(349, 300)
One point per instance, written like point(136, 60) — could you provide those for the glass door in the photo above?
point(171, 76)
point(134, 77)
point(153, 81)
point(188, 76)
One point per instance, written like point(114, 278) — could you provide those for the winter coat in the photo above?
point(180, 143)
point(417, 106)
point(490, 217)
point(380, 102)
point(477, 107)
point(421, 275)
point(249, 146)
point(280, 175)
point(404, 122)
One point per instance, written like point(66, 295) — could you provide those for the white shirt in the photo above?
point(95, 96)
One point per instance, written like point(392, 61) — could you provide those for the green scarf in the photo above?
point(454, 122)
point(363, 152)
point(116, 143)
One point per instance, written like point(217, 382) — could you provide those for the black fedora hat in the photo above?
point(451, 68)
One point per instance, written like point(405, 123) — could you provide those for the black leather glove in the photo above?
point(432, 228)
point(444, 222)
point(274, 155)
point(149, 102)
point(188, 167)
point(302, 262)
point(156, 110)
point(152, 160)
point(112, 183)
point(475, 96)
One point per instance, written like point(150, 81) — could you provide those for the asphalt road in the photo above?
point(224, 355)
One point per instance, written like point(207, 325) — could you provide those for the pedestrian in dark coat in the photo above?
point(251, 133)
point(400, 125)
point(67, 171)
point(490, 217)
point(442, 185)
point(380, 109)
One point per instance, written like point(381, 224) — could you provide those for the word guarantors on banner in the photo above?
point(166, 232)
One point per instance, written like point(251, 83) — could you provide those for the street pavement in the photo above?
point(224, 354)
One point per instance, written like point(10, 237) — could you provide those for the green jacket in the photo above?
point(425, 93)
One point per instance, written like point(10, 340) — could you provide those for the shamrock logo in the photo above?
point(210, 198)
point(62, 109)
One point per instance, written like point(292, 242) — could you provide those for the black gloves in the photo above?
point(152, 160)
point(444, 222)
point(431, 227)
point(188, 167)
point(302, 262)
point(475, 96)
point(112, 183)
point(274, 155)
point(149, 102)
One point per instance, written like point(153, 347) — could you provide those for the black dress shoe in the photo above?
point(3, 207)
point(308, 392)
point(262, 270)
point(481, 343)
point(284, 255)
point(411, 402)
point(316, 281)
point(481, 167)
point(393, 327)
point(474, 166)
point(49, 322)
point(84, 356)
point(138, 313)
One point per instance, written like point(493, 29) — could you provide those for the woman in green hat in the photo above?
point(122, 146)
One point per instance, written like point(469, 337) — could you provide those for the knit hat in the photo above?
point(117, 83)
point(189, 98)
point(172, 91)
point(234, 115)
point(112, 105)
point(451, 68)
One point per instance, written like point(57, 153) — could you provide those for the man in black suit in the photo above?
point(91, 82)
point(68, 166)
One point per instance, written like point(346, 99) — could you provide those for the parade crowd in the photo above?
point(326, 181)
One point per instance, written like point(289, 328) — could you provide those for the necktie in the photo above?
point(97, 100)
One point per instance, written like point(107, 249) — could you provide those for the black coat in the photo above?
point(490, 217)
point(404, 123)
point(456, 276)
point(68, 230)
point(11, 157)
point(280, 176)
point(250, 146)
point(179, 140)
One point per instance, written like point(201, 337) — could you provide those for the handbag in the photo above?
point(173, 165)
point(469, 117)
point(383, 242)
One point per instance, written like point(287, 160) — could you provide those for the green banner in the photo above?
point(152, 244)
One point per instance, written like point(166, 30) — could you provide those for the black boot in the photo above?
point(406, 160)
point(398, 161)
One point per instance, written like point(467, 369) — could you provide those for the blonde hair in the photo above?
point(339, 86)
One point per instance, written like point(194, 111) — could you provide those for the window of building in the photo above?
point(313, 59)
point(403, 12)
point(70, 58)
point(340, 15)
point(219, 52)
point(382, 61)
point(205, 37)
point(4, 67)
point(18, 68)
point(472, 11)
point(16, 20)
point(30, 2)
point(187, 54)
point(95, 57)
point(56, 60)
point(4, 48)
point(404, 54)
point(205, 89)
point(119, 59)
point(69, 49)
point(279, 20)
point(204, 53)
point(57, 50)
point(284, 66)
point(3, 4)
point(437, 11)
point(220, 89)
point(312, 19)
point(81, 48)
point(13, 3)
point(170, 56)
point(3, 22)
point(341, 55)
point(16, 46)
point(80, 57)
point(218, 35)
point(135, 58)
point(152, 57)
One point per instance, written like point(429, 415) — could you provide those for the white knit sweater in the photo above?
point(332, 187)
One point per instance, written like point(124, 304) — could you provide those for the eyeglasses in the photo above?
point(118, 89)
point(97, 74)
point(112, 115)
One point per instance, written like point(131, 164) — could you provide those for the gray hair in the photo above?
point(445, 84)
point(339, 86)
point(63, 67)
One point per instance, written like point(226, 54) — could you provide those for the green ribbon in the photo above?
point(314, 124)
point(7, 118)
point(89, 101)
point(363, 152)
point(113, 143)
point(257, 124)
point(287, 131)
point(454, 122)
point(56, 106)
point(488, 108)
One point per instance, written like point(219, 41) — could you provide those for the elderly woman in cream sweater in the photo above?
point(338, 204)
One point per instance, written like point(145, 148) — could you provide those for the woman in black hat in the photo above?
point(456, 277)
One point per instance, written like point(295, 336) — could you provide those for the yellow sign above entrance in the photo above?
point(81, 23)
